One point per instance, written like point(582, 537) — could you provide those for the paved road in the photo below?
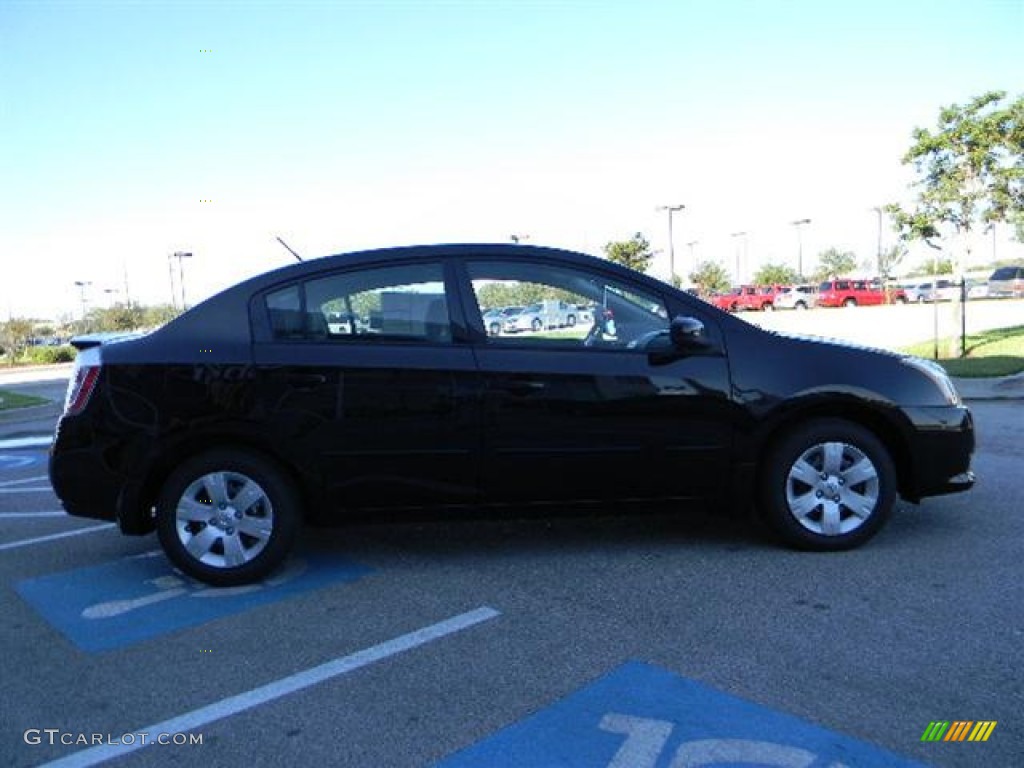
point(437, 635)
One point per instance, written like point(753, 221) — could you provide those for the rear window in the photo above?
point(1007, 273)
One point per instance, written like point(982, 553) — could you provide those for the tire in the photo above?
point(800, 305)
point(769, 307)
point(851, 302)
point(817, 477)
point(536, 324)
point(571, 321)
point(495, 329)
point(230, 546)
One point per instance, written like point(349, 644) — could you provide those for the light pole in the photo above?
point(799, 223)
point(180, 256)
point(170, 276)
point(693, 260)
point(744, 236)
point(82, 285)
point(878, 250)
point(671, 245)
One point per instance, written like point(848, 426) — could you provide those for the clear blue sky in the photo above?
point(341, 125)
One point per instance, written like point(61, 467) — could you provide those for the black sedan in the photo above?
point(368, 380)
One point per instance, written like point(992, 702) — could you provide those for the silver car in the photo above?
point(798, 297)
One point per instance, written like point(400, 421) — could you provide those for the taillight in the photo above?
point(81, 388)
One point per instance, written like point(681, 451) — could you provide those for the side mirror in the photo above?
point(687, 333)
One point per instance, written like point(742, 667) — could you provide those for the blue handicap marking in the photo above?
point(640, 716)
point(116, 604)
point(19, 460)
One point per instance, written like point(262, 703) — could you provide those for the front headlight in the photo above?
point(938, 375)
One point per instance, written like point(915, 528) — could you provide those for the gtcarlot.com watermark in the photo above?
point(53, 736)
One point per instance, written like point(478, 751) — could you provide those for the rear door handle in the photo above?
point(306, 380)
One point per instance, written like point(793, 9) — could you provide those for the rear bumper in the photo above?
point(89, 485)
point(84, 485)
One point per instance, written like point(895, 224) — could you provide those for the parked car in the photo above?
point(977, 289)
point(246, 417)
point(759, 298)
point(542, 316)
point(728, 301)
point(851, 293)
point(917, 293)
point(494, 319)
point(1007, 281)
point(938, 290)
point(798, 297)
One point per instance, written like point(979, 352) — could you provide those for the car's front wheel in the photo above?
point(227, 517)
point(828, 485)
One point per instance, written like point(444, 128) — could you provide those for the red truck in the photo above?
point(851, 293)
point(760, 298)
point(729, 301)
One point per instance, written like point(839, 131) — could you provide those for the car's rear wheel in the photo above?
point(850, 303)
point(494, 329)
point(768, 307)
point(227, 517)
point(801, 305)
point(828, 485)
point(536, 325)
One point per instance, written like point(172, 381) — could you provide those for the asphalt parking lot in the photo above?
point(628, 637)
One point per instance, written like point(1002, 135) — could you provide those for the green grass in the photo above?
point(998, 352)
point(10, 400)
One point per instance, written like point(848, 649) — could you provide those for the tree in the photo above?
point(158, 314)
point(890, 259)
point(970, 176)
point(776, 274)
point(14, 336)
point(709, 277)
point(834, 263)
point(634, 253)
point(1017, 220)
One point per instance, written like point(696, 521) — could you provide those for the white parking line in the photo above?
point(27, 442)
point(22, 481)
point(54, 536)
point(30, 515)
point(197, 718)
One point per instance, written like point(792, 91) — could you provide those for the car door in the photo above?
point(587, 411)
point(363, 374)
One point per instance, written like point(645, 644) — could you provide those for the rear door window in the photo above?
point(385, 303)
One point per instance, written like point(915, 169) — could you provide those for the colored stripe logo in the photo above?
point(959, 730)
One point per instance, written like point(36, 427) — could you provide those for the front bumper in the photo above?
point(941, 445)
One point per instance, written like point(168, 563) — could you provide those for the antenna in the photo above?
point(293, 253)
